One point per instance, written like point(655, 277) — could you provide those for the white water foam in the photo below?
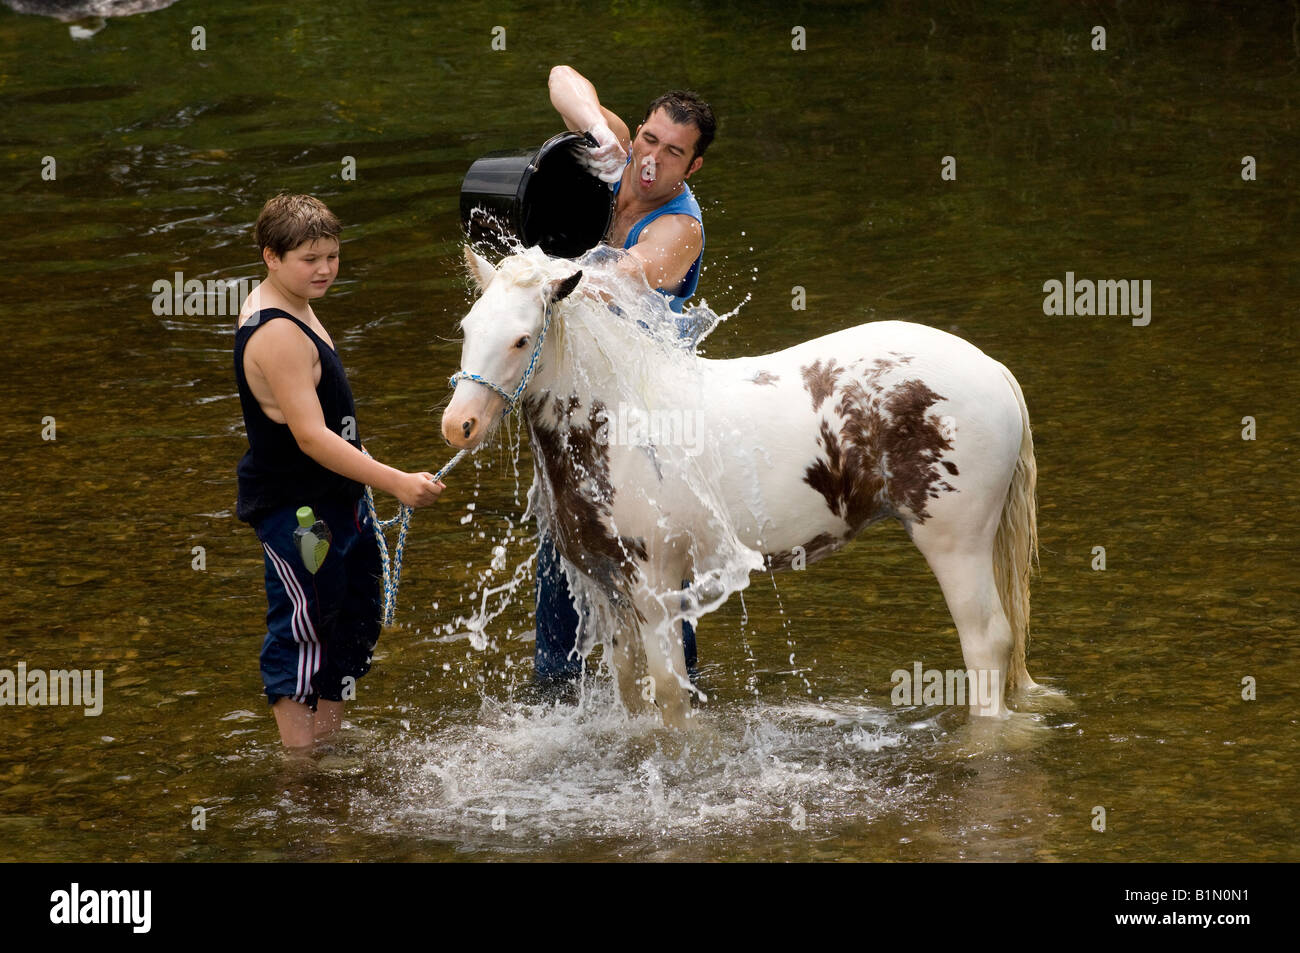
point(529, 774)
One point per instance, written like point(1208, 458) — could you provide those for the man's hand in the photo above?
point(606, 159)
point(418, 489)
point(574, 98)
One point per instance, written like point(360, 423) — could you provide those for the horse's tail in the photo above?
point(1015, 548)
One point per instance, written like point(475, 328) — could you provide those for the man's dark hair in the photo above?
point(684, 106)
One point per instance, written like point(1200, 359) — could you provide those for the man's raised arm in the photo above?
point(575, 99)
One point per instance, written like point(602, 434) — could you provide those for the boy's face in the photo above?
point(308, 270)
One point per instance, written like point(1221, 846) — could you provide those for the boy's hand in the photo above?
point(418, 489)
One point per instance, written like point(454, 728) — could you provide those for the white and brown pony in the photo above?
point(775, 461)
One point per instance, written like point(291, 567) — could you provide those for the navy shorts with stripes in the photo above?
point(322, 628)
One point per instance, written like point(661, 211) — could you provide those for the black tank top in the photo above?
point(275, 472)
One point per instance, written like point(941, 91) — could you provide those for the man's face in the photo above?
point(661, 155)
point(308, 270)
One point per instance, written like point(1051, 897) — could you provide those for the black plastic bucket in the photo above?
point(537, 197)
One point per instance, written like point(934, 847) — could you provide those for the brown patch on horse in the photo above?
point(575, 465)
point(765, 377)
point(849, 479)
point(915, 444)
point(886, 453)
point(820, 381)
point(823, 544)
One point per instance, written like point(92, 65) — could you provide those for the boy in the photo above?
point(304, 451)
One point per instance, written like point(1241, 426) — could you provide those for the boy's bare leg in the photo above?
point(329, 715)
point(296, 722)
point(300, 726)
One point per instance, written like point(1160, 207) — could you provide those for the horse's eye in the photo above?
point(522, 342)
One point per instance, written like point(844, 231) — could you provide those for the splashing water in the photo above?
point(619, 351)
point(489, 599)
point(528, 774)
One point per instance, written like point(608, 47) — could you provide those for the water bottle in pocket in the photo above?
point(312, 538)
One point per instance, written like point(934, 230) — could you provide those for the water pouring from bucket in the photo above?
point(544, 197)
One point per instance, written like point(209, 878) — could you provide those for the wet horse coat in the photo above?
point(797, 452)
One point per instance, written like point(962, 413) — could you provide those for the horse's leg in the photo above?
point(985, 530)
point(665, 661)
point(964, 567)
point(629, 667)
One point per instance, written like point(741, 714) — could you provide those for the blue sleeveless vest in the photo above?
point(683, 204)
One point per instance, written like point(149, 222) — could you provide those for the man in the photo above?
point(656, 218)
point(658, 222)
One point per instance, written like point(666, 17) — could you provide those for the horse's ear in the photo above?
point(561, 288)
point(480, 269)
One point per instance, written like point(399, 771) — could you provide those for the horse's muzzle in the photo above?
point(470, 416)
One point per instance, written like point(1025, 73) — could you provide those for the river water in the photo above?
point(1123, 163)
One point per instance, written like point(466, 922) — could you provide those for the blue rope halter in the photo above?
point(510, 399)
point(393, 567)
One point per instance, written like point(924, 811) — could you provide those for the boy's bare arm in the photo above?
point(285, 360)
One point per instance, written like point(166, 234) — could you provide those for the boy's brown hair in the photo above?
point(286, 221)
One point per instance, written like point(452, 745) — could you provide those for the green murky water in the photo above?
point(1122, 164)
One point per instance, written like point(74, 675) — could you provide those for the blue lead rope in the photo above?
point(393, 567)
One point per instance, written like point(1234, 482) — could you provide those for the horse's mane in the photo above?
point(646, 316)
point(530, 267)
point(617, 339)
